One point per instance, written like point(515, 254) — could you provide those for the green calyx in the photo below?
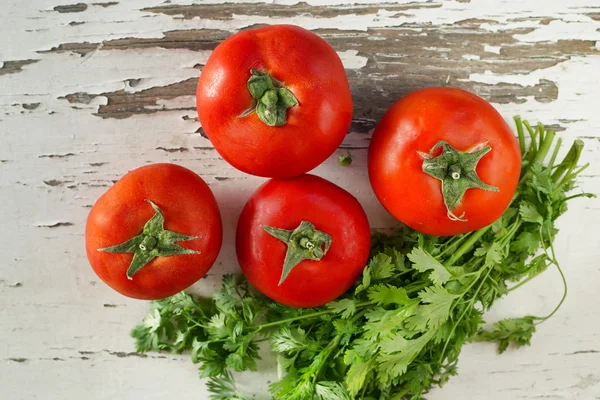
point(270, 100)
point(456, 170)
point(154, 241)
point(303, 243)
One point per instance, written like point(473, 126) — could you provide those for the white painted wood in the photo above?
point(65, 334)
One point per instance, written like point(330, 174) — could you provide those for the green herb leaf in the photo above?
point(517, 331)
point(387, 294)
point(345, 307)
point(402, 329)
point(530, 213)
point(397, 354)
point(423, 261)
point(434, 312)
point(345, 159)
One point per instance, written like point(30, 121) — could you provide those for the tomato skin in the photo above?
point(416, 123)
point(309, 67)
point(285, 204)
point(188, 206)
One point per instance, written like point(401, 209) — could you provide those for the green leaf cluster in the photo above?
point(400, 329)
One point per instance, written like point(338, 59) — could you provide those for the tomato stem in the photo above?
point(153, 241)
point(271, 102)
point(303, 243)
point(456, 171)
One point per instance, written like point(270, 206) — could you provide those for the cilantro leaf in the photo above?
point(387, 294)
point(492, 253)
point(530, 213)
point(328, 390)
point(423, 261)
point(345, 307)
point(357, 375)
point(434, 312)
point(224, 388)
point(517, 331)
point(291, 339)
point(397, 354)
point(382, 323)
point(527, 242)
point(380, 341)
point(381, 267)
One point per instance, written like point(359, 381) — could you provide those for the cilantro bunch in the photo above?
point(400, 330)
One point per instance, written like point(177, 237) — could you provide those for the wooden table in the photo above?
point(89, 91)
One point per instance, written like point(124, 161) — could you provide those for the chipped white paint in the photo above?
point(352, 60)
point(492, 49)
point(65, 334)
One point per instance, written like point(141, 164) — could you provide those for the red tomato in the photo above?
point(301, 133)
point(477, 151)
point(286, 207)
point(124, 219)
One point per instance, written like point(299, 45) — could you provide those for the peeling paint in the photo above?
point(122, 354)
point(54, 225)
point(122, 104)
point(583, 352)
point(130, 76)
point(107, 4)
point(375, 72)
point(133, 82)
point(11, 285)
point(228, 10)
point(12, 67)
point(65, 155)
point(30, 106)
point(71, 8)
point(587, 381)
point(173, 149)
point(54, 182)
point(79, 48)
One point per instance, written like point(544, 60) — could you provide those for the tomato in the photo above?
point(443, 161)
point(274, 101)
point(302, 241)
point(164, 214)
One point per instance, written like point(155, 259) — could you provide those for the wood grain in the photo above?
point(93, 90)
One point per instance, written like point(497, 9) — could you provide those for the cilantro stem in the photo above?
point(531, 152)
point(399, 395)
point(564, 281)
point(579, 195)
point(540, 153)
point(325, 355)
point(545, 145)
point(519, 124)
point(452, 243)
point(524, 281)
point(554, 154)
point(570, 176)
point(197, 324)
point(542, 130)
point(570, 160)
point(462, 315)
point(467, 246)
point(416, 289)
point(285, 321)
point(511, 232)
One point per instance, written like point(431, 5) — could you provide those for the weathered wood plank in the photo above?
point(92, 90)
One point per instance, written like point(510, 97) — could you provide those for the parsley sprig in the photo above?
point(400, 330)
